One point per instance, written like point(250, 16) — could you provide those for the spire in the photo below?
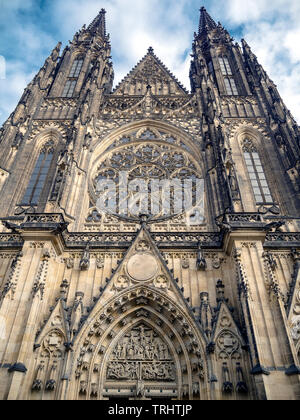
point(247, 50)
point(99, 24)
point(206, 21)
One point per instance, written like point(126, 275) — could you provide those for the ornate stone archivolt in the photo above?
point(239, 128)
point(44, 127)
point(140, 340)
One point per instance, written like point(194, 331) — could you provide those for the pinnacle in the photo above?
point(206, 21)
point(99, 23)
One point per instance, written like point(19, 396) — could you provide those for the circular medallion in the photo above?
point(142, 267)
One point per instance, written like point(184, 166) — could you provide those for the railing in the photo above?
point(43, 218)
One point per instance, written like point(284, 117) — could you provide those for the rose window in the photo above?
point(148, 176)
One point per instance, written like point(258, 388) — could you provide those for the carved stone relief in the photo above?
point(141, 355)
point(295, 327)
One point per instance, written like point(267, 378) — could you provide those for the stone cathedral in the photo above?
point(99, 305)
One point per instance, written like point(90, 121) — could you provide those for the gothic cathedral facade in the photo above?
point(98, 305)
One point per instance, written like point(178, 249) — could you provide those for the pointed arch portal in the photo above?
point(140, 345)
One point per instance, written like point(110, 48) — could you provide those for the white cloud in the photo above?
point(12, 87)
point(136, 25)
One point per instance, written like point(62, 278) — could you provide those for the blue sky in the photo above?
point(29, 30)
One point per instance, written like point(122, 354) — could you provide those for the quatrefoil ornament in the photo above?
point(122, 282)
point(161, 282)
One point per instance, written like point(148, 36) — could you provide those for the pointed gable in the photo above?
point(150, 71)
point(56, 329)
point(143, 265)
point(226, 334)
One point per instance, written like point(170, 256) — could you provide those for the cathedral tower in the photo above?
point(150, 243)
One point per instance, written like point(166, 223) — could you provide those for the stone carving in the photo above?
point(241, 386)
point(272, 283)
point(161, 282)
point(244, 288)
point(227, 384)
point(100, 262)
point(295, 328)
point(201, 262)
point(217, 261)
point(51, 354)
point(38, 383)
point(69, 263)
point(150, 71)
point(142, 246)
point(206, 314)
point(94, 390)
point(141, 355)
point(83, 387)
point(11, 284)
point(295, 325)
point(228, 345)
point(85, 260)
point(114, 239)
point(50, 385)
point(53, 341)
point(142, 267)
point(248, 146)
point(185, 264)
point(40, 281)
point(122, 282)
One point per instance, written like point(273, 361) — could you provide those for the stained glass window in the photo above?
point(257, 176)
point(230, 85)
point(69, 88)
point(70, 85)
point(76, 68)
point(38, 178)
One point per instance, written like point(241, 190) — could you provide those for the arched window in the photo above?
point(156, 174)
point(39, 176)
point(70, 85)
point(76, 68)
point(256, 173)
point(69, 88)
point(229, 81)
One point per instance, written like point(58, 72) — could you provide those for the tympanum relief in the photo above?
point(141, 355)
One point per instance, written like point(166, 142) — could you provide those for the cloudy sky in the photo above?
point(29, 29)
